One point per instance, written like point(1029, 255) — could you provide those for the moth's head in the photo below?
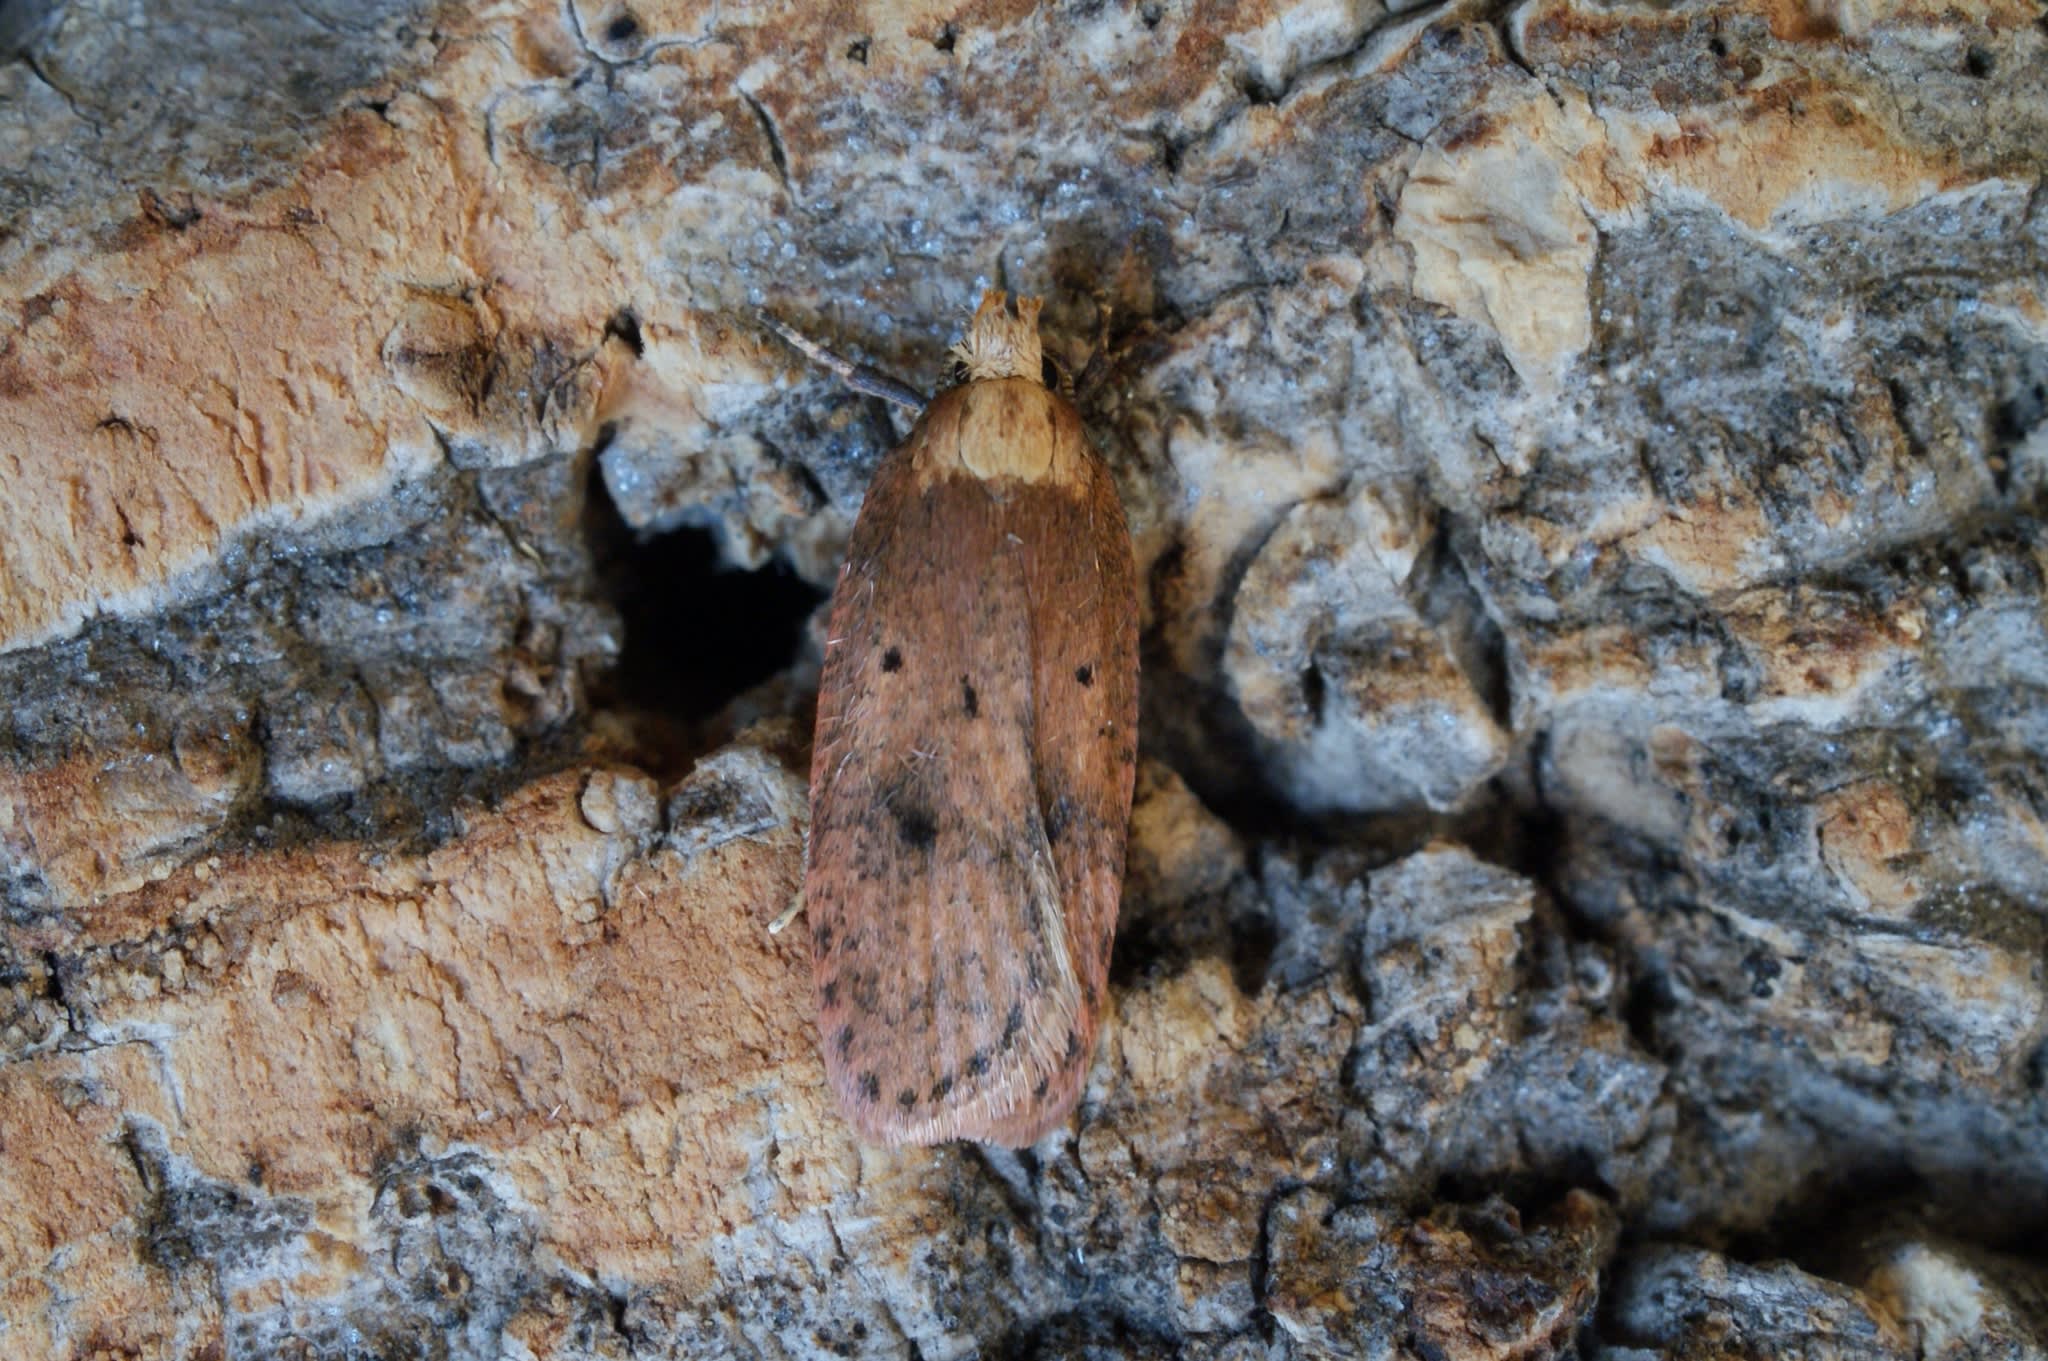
point(1002, 342)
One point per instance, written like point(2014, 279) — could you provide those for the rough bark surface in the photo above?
point(1586, 463)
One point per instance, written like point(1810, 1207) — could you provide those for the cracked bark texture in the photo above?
point(1586, 464)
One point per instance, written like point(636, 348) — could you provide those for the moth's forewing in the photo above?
point(971, 779)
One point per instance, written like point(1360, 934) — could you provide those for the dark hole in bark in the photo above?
point(697, 633)
point(1257, 91)
point(1314, 692)
point(626, 326)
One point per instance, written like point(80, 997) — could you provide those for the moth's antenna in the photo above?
point(859, 377)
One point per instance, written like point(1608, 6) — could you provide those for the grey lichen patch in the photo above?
point(201, 97)
point(417, 661)
point(745, 792)
point(1483, 1275)
point(197, 1223)
point(1363, 701)
point(451, 1265)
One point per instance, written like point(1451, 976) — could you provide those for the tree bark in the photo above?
point(1585, 463)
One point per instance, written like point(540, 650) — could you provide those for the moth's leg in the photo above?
point(789, 914)
point(859, 377)
point(1097, 367)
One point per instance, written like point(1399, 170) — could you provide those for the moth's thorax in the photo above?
point(1013, 428)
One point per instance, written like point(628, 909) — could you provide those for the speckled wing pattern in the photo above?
point(971, 780)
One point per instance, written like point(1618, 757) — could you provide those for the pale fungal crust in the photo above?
point(1000, 345)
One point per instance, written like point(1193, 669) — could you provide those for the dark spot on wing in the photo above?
point(941, 1087)
point(977, 1063)
point(622, 28)
point(830, 992)
point(1073, 1046)
point(892, 660)
point(870, 1087)
point(845, 1041)
point(915, 825)
point(970, 703)
point(906, 1098)
point(1038, 1092)
point(1013, 1024)
point(867, 991)
point(822, 937)
point(1085, 674)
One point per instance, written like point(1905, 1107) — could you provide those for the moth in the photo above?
point(972, 767)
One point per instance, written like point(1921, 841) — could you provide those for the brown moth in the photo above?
point(972, 770)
